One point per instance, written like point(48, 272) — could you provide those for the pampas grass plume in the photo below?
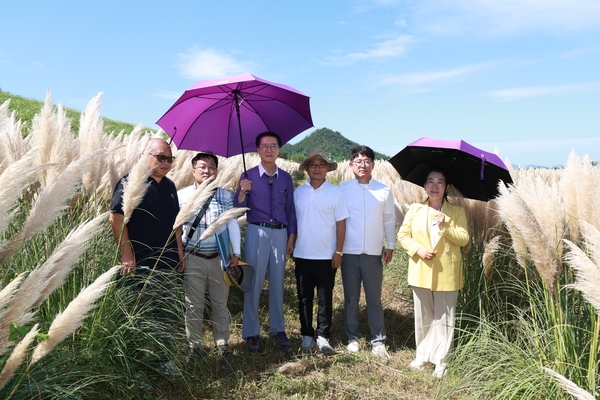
point(45, 279)
point(488, 255)
point(198, 198)
point(294, 367)
point(74, 315)
point(222, 220)
point(67, 253)
point(17, 356)
point(588, 268)
point(135, 186)
point(569, 387)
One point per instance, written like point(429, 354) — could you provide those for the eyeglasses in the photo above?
point(206, 167)
point(360, 163)
point(315, 165)
point(271, 146)
point(161, 158)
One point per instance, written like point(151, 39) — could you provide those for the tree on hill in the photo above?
point(332, 142)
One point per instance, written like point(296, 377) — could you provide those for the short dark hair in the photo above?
point(362, 150)
point(203, 156)
point(267, 134)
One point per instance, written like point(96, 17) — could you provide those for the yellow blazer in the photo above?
point(444, 272)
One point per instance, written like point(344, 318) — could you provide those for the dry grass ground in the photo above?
point(275, 374)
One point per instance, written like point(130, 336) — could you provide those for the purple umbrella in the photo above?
point(225, 115)
point(474, 172)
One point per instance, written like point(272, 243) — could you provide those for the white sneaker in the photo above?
point(439, 371)
point(324, 346)
point(418, 365)
point(381, 352)
point(353, 346)
point(307, 343)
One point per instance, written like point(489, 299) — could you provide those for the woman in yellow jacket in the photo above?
point(432, 234)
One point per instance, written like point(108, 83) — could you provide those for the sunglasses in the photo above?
point(160, 158)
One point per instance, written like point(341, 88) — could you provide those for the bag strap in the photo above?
point(199, 217)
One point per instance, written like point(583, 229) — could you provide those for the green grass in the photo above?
point(25, 109)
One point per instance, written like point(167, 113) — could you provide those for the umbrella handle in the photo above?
point(482, 166)
point(236, 101)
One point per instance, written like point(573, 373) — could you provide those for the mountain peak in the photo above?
point(332, 142)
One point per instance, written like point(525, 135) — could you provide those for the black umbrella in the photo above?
point(473, 172)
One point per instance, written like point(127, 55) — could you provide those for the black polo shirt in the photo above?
point(150, 227)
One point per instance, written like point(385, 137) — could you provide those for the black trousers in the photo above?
point(311, 274)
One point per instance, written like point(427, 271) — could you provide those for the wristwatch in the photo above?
point(340, 253)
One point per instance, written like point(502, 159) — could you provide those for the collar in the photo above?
point(262, 170)
point(322, 185)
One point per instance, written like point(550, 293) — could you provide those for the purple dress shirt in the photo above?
point(271, 199)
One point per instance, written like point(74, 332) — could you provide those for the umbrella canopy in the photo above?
point(225, 115)
point(474, 172)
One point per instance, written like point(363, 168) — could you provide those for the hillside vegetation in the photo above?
point(25, 109)
point(332, 142)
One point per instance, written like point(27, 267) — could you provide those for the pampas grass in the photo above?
point(196, 201)
point(587, 266)
point(525, 229)
point(17, 356)
point(51, 202)
point(569, 387)
point(72, 318)
point(135, 186)
point(12, 181)
point(46, 278)
point(12, 143)
point(488, 255)
point(222, 220)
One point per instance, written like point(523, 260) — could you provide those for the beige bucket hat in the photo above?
point(331, 165)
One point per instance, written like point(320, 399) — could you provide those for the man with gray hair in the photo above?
point(151, 253)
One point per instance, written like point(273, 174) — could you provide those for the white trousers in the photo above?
point(434, 324)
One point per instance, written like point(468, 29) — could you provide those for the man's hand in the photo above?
point(233, 261)
point(387, 255)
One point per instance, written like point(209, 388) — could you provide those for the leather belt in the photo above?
point(267, 225)
point(206, 256)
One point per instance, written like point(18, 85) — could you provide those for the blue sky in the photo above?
point(521, 77)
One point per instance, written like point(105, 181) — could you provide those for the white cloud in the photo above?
point(389, 48)
point(502, 17)
point(429, 77)
point(540, 91)
point(199, 63)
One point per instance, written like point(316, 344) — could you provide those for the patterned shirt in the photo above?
point(221, 202)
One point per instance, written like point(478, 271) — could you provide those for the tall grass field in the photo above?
point(528, 326)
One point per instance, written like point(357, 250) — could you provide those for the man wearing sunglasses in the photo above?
point(148, 245)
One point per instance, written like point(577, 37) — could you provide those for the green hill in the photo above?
point(25, 109)
point(332, 142)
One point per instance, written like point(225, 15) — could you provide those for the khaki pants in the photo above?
point(201, 275)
